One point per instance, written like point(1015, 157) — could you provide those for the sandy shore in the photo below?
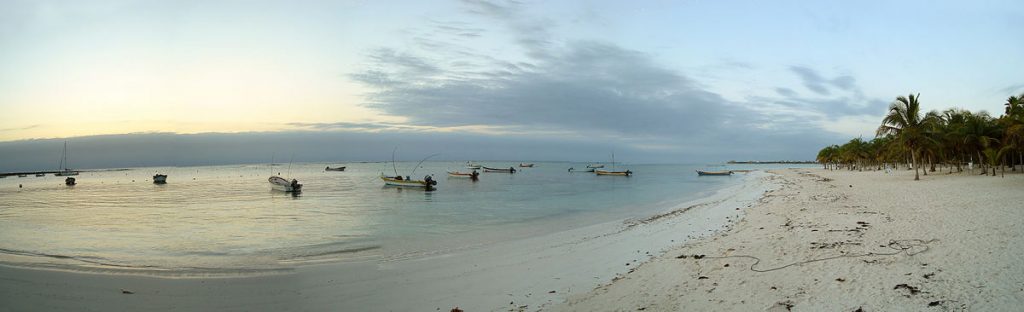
point(527, 274)
point(825, 240)
point(886, 243)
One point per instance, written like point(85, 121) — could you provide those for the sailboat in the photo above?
point(613, 172)
point(64, 171)
point(426, 184)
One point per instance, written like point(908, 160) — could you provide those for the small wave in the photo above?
point(93, 260)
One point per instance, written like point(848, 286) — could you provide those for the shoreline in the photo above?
point(843, 241)
point(525, 274)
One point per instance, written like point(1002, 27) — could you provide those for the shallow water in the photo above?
point(223, 219)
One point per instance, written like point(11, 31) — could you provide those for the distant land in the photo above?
point(772, 162)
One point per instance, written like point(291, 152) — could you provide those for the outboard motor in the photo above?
point(511, 170)
point(430, 182)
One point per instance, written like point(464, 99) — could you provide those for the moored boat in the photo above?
point(160, 179)
point(22, 175)
point(471, 165)
point(526, 165)
point(713, 173)
point(509, 170)
point(69, 181)
point(472, 175)
point(40, 174)
point(282, 184)
point(614, 173)
point(342, 168)
point(571, 169)
point(593, 166)
point(427, 183)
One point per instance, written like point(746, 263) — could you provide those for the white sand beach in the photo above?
point(956, 242)
point(951, 243)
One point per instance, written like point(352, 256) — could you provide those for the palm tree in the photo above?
point(906, 124)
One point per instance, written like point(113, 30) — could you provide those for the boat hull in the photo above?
point(614, 173)
point(498, 170)
point(405, 183)
point(713, 173)
point(335, 169)
point(525, 165)
point(282, 184)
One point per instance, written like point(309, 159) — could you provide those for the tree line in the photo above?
point(937, 140)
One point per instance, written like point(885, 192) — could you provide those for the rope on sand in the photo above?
point(910, 247)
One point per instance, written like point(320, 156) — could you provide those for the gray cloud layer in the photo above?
point(588, 87)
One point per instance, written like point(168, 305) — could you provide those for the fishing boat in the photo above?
point(69, 181)
point(612, 172)
point(526, 165)
point(342, 168)
point(64, 171)
point(160, 179)
point(427, 183)
point(282, 184)
point(40, 174)
point(22, 175)
point(593, 166)
point(472, 175)
point(509, 170)
point(571, 169)
point(713, 173)
point(471, 165)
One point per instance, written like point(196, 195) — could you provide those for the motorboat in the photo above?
point(472, 175)
point(499, 170)
point(427, 183)
point(713, 173)
point(282, 184)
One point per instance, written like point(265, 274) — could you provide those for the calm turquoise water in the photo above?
point(227, 219)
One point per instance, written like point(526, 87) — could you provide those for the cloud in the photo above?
point(581, 88)
point(815, 82)
point(19, 128)
point(1013, 89)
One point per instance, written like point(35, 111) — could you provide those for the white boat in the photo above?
point(282, 184)
point(40, 174)
point(593, 166)
point(64, 171)
point(471, 165)
point(160, 179)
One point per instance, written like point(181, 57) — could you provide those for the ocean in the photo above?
point(227, 220)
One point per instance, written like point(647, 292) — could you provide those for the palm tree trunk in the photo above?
point(913, 159)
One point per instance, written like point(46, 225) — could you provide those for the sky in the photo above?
point(655, 81)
